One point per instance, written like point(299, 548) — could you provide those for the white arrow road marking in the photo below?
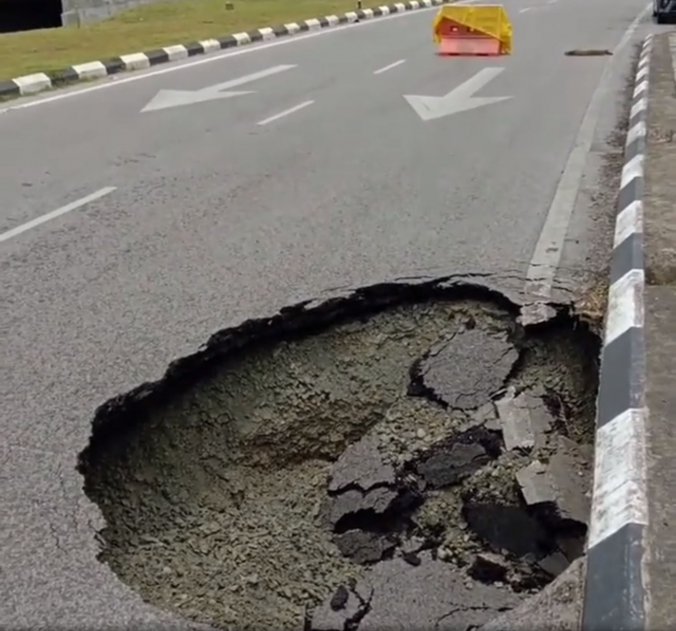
point(459, 99)
point(175, 98)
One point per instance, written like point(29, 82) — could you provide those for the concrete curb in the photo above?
point(34, 83)
point(616, 590)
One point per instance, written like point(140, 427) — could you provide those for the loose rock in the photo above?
point(414, 544)
point(340, 598)
point(330, 617)
point(411, 558)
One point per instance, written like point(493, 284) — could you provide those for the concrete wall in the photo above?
point(76, 12)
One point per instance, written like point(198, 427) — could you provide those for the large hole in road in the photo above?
point(405, 457)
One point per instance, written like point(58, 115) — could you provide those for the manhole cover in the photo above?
point(419, 462)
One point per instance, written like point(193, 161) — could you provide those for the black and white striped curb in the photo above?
point(615, 590)
point(33, 83)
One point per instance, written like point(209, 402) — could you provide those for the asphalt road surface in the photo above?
point(169, 224)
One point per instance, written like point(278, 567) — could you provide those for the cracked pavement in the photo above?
point(431, 595)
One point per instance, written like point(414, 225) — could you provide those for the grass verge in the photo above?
point(148, 27)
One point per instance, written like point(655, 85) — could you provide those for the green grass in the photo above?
point(149, 27)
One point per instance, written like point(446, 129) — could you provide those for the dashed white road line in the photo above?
point(525, 10)
point(291, 110)
point(389, 66)
point(9, 234)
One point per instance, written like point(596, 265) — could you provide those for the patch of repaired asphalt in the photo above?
point(300, 485)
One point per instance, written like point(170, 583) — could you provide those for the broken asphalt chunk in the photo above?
point(361, 465)
point(350, 502)
point(362, 546)
point(558, 483)
point(487, 416)
point(571, 547)
point(536, 313)
point(525, 420)
point(508, 528)
point(450, 466)
point(467, 370)
point(554, 564)
point(489, 568)
point(411, 558)
point(458, 457)
point(430, 595)
point(536, 485)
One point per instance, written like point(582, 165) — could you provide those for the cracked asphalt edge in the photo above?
point(290, 322)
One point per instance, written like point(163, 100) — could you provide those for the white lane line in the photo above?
point(389, 67)
point(525, 10)
point(546, 258)
point(291, 110)
point(5, 236)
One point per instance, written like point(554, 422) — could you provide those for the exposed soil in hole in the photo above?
point(319, 471)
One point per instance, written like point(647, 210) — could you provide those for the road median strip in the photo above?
point(39, 81)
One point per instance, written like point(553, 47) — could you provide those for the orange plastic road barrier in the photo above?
point(473, 30)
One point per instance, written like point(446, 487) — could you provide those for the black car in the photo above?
point(663, 10)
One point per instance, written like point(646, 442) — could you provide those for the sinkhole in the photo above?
point(402, 457)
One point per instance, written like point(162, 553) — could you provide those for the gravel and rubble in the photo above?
point(426, 467)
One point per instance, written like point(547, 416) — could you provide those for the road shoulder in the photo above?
point(660, 321)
